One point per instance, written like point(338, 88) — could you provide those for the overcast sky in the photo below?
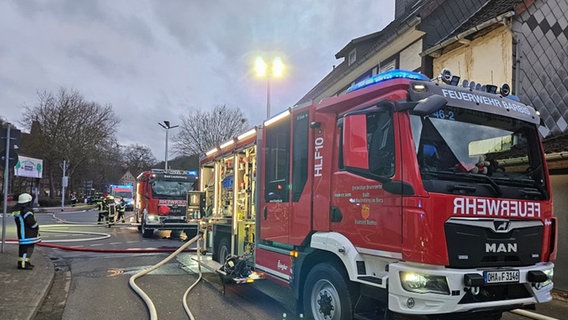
point(156, 60)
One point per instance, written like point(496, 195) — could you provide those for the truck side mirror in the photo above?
point(429, 105)
point(355, 151)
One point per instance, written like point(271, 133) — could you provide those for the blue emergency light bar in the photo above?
point(389, 75)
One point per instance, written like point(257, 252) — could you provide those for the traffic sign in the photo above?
point(14, 137)
point(12, 158)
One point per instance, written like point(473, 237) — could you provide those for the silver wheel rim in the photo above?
point(325, 301)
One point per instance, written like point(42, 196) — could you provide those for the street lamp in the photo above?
point(275, 70)
point(166, 125)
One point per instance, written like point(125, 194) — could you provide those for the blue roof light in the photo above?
point(392, 74)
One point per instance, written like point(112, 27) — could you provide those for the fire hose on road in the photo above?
point(146, 298)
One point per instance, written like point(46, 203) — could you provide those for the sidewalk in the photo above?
point(23, 291)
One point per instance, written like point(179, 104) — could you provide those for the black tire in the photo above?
point(190, 233)
point(223, 250)
point(146, 232)
point(326, 294)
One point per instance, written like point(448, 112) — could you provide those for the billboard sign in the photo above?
point(28, 167)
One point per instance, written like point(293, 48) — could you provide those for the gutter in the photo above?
point(461, 37)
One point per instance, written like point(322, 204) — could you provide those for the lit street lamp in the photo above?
point(269, 71)
point(166, 125)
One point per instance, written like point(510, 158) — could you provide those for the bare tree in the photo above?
point(138, 158)
point(200, 131)
point(71, 129)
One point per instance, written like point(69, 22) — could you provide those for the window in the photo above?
point(300, 154)
point(391, 65)
point(352, 56)
point(367, 143)
point(380, 138)
point(277, 175)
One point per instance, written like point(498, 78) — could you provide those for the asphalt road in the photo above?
point(96, 284)
point(92, 283)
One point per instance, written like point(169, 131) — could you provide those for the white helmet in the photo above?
point(24, 198)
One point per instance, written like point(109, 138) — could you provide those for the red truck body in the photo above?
point(404, 195)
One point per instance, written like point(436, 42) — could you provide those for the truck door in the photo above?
point(275, 192)
point(365, 207)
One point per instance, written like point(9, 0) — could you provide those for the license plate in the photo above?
point(502, 276)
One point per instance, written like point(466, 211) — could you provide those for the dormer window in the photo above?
point(352, 56)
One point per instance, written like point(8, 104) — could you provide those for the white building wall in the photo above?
point(485, 60)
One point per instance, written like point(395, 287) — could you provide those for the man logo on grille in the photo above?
point(501, 225)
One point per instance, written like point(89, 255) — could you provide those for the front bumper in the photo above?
point(461, 298)
point(168, 222)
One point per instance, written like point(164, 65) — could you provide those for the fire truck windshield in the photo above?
point(124, 194)
point(490, 155)
point(171, 189)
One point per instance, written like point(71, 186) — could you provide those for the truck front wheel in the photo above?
point(146, 233)
point(326, 294)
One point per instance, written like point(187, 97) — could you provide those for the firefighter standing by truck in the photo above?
point(28, 230)
point(121, 208)
point(111, 210)
point(102, 209)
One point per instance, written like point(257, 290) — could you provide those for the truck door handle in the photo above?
point(265, 213)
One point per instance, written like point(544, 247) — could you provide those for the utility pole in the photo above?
point(5, 186)
point(10, 158)
point(166, 125)
point(64, 182)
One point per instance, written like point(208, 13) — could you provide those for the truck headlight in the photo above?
point(550, 274)
point(152, 217)
point(424, 283)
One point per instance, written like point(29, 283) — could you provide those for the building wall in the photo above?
point(541, 34)
point(485, 60)
point(542, 61)
point(410, 57)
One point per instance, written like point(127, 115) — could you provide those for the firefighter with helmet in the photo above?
point(110, 209)
point(121, 208)
point(28, 230)
point(103, 211)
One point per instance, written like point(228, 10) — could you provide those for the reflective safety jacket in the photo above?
point(121, 206)
point(102, 206)
point(26, 224)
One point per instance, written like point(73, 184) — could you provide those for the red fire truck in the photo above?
point(161, 201)
point(406, 195)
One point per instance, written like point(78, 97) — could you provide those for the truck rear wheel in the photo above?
point(326, 294)
point(223, 250)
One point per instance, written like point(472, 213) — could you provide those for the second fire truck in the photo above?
point(161, 201)
point(405, 195)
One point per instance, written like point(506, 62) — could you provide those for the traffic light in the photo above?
point(12, 144)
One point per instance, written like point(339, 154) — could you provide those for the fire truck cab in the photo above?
point(161, 201)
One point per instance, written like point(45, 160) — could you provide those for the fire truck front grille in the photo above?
point(474, 243)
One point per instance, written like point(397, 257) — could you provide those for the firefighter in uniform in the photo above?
point(121, 208)
point(103, 211)
point(28, 230)
point(111, 210)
